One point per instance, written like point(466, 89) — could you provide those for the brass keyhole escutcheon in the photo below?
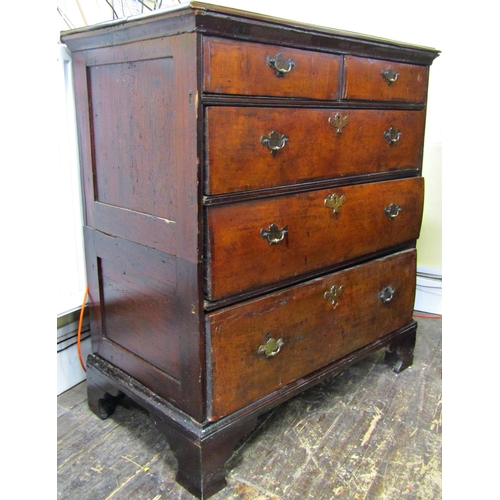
point(333, 295)
point(334, 201)
point(338, 122)
point(271, 347)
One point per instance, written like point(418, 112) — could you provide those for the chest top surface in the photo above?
point(216, 20)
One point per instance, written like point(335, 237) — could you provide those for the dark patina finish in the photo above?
point(208, 258)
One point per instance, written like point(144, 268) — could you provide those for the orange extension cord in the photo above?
point(80, 329)
point(430, 316)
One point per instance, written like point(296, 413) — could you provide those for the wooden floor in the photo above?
point(366, 434)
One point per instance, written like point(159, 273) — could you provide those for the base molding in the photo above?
point(202, 448)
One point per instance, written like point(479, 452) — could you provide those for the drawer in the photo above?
point(375, 80)
point(243, 68)
point(255, 243)
point(264, 344)
point(308, 145)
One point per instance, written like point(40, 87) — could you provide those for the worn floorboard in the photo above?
point(366, 434)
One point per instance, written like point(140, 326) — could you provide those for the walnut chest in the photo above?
point(253, 194)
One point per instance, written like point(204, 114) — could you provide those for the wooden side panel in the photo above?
point(241, 259)
point(313, 331)
point(241, 68)
point(138, 286)
point(363, 80)
point(138, 129)
point(145, 318)
point(135, 321)
point(314, 150)
point(132, 122)
point(137, 121)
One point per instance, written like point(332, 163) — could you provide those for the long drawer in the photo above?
point(265, 148)
point(262, 345)
point(254, 243)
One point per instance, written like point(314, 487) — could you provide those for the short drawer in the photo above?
point(255, 243)
point(254, 69)
point(264, 148)
point(264, 344)
point(375, 80)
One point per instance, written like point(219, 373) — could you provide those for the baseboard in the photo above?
point(429, 290)
point(69, 369)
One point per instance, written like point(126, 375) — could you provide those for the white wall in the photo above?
point(69, 245)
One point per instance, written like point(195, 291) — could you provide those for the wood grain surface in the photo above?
point(316, 236)
point(237, 160)
point(314, 331)
point(363, 80)
point(241, 68)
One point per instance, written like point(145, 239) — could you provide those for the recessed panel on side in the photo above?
point(138, 301)
point(132, 129)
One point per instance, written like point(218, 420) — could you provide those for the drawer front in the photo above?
point(274, 147)
point(255, 243)
point(375, 80)
point(304, 328)
point(242, 68)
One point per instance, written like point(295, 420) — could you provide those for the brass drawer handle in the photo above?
point(392, 136)
point(333, 295)
point(390, 75)
point(392, 211)
point(386, 294)
point(280, 64)
point(274, 235)
point(271, 347)
point(338, 122)
point(334, 201)
point(274, 142)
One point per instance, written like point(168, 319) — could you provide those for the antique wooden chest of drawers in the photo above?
point(253, 194)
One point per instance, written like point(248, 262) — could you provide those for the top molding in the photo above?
point(234, 23)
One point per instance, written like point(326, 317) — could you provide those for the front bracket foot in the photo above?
point(202, 459)
point(399, 353)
